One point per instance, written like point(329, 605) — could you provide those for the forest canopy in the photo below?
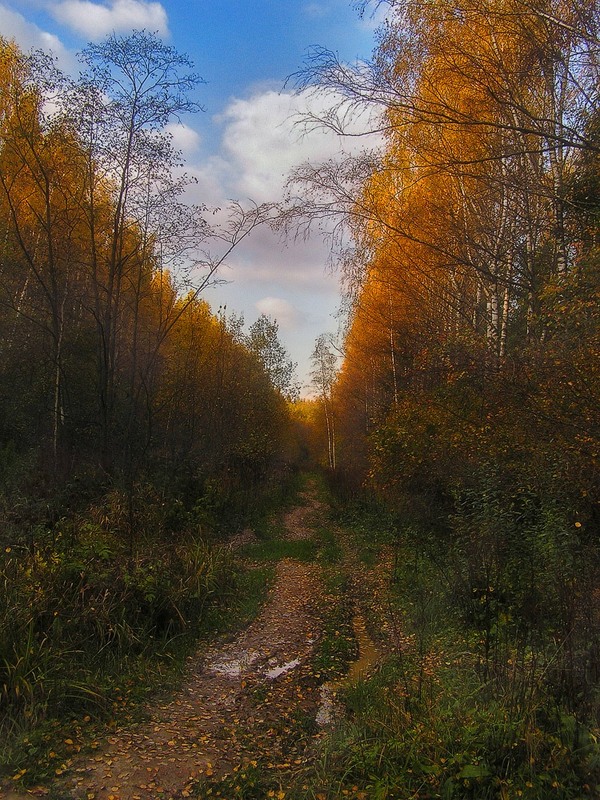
point(472, 279)
point(110, 358)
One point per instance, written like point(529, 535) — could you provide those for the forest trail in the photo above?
point(239, 702)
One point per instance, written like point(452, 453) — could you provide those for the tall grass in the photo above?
point(489, 690)
point(77, 614)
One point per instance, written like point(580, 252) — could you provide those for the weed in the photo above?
point(467, 706)
point(276, 549)
point(330, 551)
point(337, 646)
point(86, 632)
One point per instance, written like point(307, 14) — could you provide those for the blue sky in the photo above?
point(244, 143)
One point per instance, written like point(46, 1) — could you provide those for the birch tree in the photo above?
point(323, 374)
point(132, 87)
point(40, 193)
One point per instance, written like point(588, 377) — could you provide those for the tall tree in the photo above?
point(323, 373)
point(263, 341)
point(133, 86)
point(40, 184)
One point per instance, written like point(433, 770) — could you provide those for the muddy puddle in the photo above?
point(368, 656)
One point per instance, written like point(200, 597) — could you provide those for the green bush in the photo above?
point(75, 610)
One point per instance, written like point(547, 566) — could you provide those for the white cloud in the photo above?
point(28, 36)
point(264, 138)
point(262, 141)
point(185, 138)
point(96, 20)
point(258, 140)
point(281, 310)
point(211, 177)
point(265, 262)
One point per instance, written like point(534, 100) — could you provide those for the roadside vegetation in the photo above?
point(138, 429)
point(473, 698)
point(461, 405)
point(89, 633)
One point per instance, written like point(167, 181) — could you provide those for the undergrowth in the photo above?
point(251, 781)
point(96, 615)
point(275, 549)
point(475, 698)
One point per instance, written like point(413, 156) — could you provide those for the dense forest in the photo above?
point(134, 423)
point(456, 419)
point(467, 401)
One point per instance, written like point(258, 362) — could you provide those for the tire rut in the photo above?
point(214, 722)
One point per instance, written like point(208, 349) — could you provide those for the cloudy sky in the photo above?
point(245, 141)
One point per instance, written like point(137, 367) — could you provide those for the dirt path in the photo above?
point(237, 700)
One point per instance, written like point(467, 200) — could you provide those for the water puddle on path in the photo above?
point(368, 655)
point(275, 672)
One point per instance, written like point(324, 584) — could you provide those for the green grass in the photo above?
point(322, 547)
point(119, 687)
point(329, 550)
point(337, 646)
point(273, 544)
point(250, 585)
point(272, 550)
